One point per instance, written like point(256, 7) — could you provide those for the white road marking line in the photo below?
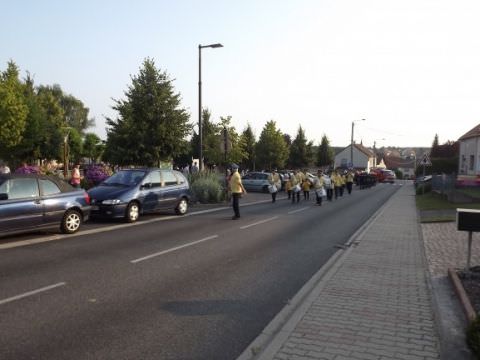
point(30, 293)
point(298, 210)
point(173, 249)
point(258, 222)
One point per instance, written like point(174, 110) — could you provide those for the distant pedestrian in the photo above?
point(275, 184)
point(237, 190)
point(306, 189)
point(318, 186)
point(350, 176)
point(4, 169)
point(194, 168)
point(186, 170)
point(76, 177)
point(288, 186)
point(296, 186)
point(329, 186)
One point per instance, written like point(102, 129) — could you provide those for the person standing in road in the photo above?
point(275, 184)
point(306, 189)
point(337, 183)
point(328, 184)
point(318, 186)
point(237, 189)
point(288, 186)
point(296, 186)
point(350, 177)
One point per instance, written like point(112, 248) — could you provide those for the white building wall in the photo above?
point(360, 160)
point(469, 162)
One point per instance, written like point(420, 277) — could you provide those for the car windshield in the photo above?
point(125, 178)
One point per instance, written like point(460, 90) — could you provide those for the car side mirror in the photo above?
point(146, 186)
point(3, 196)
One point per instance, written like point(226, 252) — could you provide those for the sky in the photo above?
point(410, 68)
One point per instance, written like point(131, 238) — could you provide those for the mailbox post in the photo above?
point(468, 220)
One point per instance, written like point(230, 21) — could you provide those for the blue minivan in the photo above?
point(131, 192)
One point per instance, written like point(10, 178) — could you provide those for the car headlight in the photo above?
point(111, 202)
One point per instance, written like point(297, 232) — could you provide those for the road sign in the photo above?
point(425, 160)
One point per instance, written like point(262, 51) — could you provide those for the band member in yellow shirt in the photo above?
point(350, 177)
point(274, 181)
point(237, 189)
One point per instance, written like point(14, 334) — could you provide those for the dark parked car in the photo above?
point(32, 202)
point(131, 192)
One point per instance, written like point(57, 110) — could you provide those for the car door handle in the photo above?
point(38, 202)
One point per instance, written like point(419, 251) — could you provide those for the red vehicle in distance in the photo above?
point(383, 175)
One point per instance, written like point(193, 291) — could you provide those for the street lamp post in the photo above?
point(351, 142)
point(375, 151)
point(200, 145)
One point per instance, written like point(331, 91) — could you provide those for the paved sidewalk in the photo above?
point(373, 303)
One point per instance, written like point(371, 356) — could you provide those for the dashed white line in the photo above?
point(173, 249)
point(298, 210)
point(30, 293)
point(258, 222)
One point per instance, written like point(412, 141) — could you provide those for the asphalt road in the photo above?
point(194, 287)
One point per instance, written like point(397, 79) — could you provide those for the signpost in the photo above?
point(425, 162)
point(468, 220)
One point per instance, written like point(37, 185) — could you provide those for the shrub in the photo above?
point(473, 337)
point(206, 187)
point(423, 189)
point(95, 174)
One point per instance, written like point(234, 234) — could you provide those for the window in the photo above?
point(154, 179)
point(49, 187)
point(22, 188)
point(472, 162)
point(169, 178)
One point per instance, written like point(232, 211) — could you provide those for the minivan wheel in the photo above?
point(71, 221)
point(132, 213)
point(182, 207)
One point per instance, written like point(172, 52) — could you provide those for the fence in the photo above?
point(443, 184)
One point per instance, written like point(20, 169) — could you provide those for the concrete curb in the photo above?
point(462, 295)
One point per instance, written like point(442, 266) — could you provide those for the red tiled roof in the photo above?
point(392, 162)
point(475, 132)
point(364, 150)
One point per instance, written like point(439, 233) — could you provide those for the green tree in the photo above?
point(325, 153)
point(435, 146)
point(92, 147)
point(75, 145)
point(247, 140)
point(13, 110)
point(212, 141)
point(150, 127)
point(301, 151)
point(271, 149)
point(236, 152)
point(52, 125)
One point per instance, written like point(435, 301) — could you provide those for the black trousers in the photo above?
point(349, 187)
point(236, 203)
point(295, 194)
point(274, 196)
point(319, 198)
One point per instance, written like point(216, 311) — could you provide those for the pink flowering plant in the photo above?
point(28, 169)
point(96, 173)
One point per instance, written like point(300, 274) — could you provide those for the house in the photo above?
point(469, 153)
point(405, 166)
point(363, 158)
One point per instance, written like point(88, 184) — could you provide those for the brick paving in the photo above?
point(446, 247)
point(376, 304)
